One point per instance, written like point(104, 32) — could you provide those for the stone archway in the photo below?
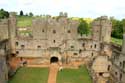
point(54, 59)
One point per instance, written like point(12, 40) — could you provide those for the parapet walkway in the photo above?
point(53, 71)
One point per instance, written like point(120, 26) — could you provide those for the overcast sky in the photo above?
point(74, 8)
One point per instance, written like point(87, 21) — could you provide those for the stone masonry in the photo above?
point(57, 38)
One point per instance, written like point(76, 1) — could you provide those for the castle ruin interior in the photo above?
point(51, 40)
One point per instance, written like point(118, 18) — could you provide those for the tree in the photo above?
point(3, 14)
point(26, 14)
point(21, 13)
point(117, 27)
point(31, 14)
point(83, 27)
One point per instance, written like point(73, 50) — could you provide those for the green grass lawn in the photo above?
point(116, 41)
point(74, 76)
point(24, 21)
point(30, 75)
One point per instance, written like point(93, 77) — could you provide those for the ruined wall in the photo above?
point(118, 61)
point(4, 29)
point(101, 64)
point(48, 33)
point(118, 68)
point(3, 64)
point(12, 31)
point(60, 35)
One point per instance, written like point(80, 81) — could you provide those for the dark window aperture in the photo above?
point(75, 53)
point(17, 52)
point(54, 41)
point(69, 31)
point(80, 50)
point(22, 46)
point(38, 46)
point(17, 43)
point(72, 46)
point(95, 45)
point(54, 31)
point(83, 44)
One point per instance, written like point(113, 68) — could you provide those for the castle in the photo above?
point(57, 40)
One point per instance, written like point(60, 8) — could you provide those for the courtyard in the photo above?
point(30, 75)
point(40, 75)
point(80, 75)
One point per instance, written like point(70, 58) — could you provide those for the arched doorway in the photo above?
point(54, 59)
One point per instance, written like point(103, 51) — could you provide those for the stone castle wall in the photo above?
point(4, 29)
point(3, 63)
point(58, 37)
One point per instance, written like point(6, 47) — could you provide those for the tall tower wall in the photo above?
point(12, 31)
point(102, 29)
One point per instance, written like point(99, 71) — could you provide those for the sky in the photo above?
point(74, 8)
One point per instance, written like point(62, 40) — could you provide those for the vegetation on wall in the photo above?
point(83, 27)
point(117, 28)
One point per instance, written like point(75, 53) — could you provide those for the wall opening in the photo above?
point(72, 46)
point(22, 46)
point(69, 31)
point(80, 50)
point(17, 43)
point(120, 76)
point(108, 67)
point(91, 46)
point(54, 31)
point(101, 73)
point(83, 44)
point(75, 54)
point(92, 54)
point(95, 45)
point(54, 41)
point(17, 52)
point(123, 64)
point(43, 30)
point(38, 46)
point(54, 59)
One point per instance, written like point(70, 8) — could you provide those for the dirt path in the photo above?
point(53, 73)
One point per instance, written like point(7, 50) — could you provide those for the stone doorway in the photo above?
point(54, 59)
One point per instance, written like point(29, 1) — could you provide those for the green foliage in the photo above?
point(30, 75)
point(31, 14)
point(24, 21)
point(117, 27)
point(116, 41)
point(83, 27)
point(3, 14)
point(80, 75)
point(21, 13)
point(123, 22)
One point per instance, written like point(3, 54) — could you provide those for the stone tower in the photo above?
point(12, 31)
point(102, 29)
point(102, 34)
